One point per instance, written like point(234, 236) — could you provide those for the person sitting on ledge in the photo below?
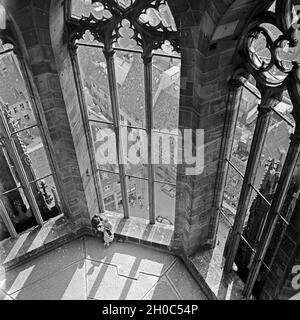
point(103, 225)
point(108, 235)
point(97, 223)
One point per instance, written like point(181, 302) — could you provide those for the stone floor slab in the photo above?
point(162, 291)
point(4, 296)
point(131, 259)
point(67, 284)
point(42, 266)
point(86, 269)
point(137, 289)
point(103, 281)
point(184, 283)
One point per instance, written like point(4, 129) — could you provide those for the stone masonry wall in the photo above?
point(209, 34)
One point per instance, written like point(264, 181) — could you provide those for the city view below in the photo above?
point(130, 84)
point(19, 120)
point(274, 151)
point(129, 70)
point(19, 114)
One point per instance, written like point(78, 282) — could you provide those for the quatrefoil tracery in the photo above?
point(150, 22)
point(125, 3)
point(266, 53)
point(271, 44)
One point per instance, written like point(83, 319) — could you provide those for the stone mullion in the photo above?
point(7, 221)
point(273, 214)
point(109, 55)
point(84, 113)
point(283, 231)
point(149, 126)
point(261, 129)
point(12, 151)
point(234, 99)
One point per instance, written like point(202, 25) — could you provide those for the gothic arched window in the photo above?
point(126, 58)
point(261, 190)
point(263, 183)
point(28, 188)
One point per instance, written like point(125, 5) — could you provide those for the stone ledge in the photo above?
point(58, 231)
point(140, 231)
point(188, 262)
point(209, 265)
point(37, 240)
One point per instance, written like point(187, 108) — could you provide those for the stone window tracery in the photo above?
point(127, 63)
point(269, 54)
point(28, 190)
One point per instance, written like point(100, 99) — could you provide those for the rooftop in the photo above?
point(12, 87)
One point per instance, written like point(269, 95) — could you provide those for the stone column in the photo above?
point(109, 55)
point(149, 126)
point(234, 99)
point(6, 209)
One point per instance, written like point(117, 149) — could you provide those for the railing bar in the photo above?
point(24, 129)
point(100, 121)
point(11, 190)
point(44, 177)
point(283, 118)
point(260, 194)
point(235, 168)
point(126, 50)
point(243, 238)
point(6, 51)
point(108, 171)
